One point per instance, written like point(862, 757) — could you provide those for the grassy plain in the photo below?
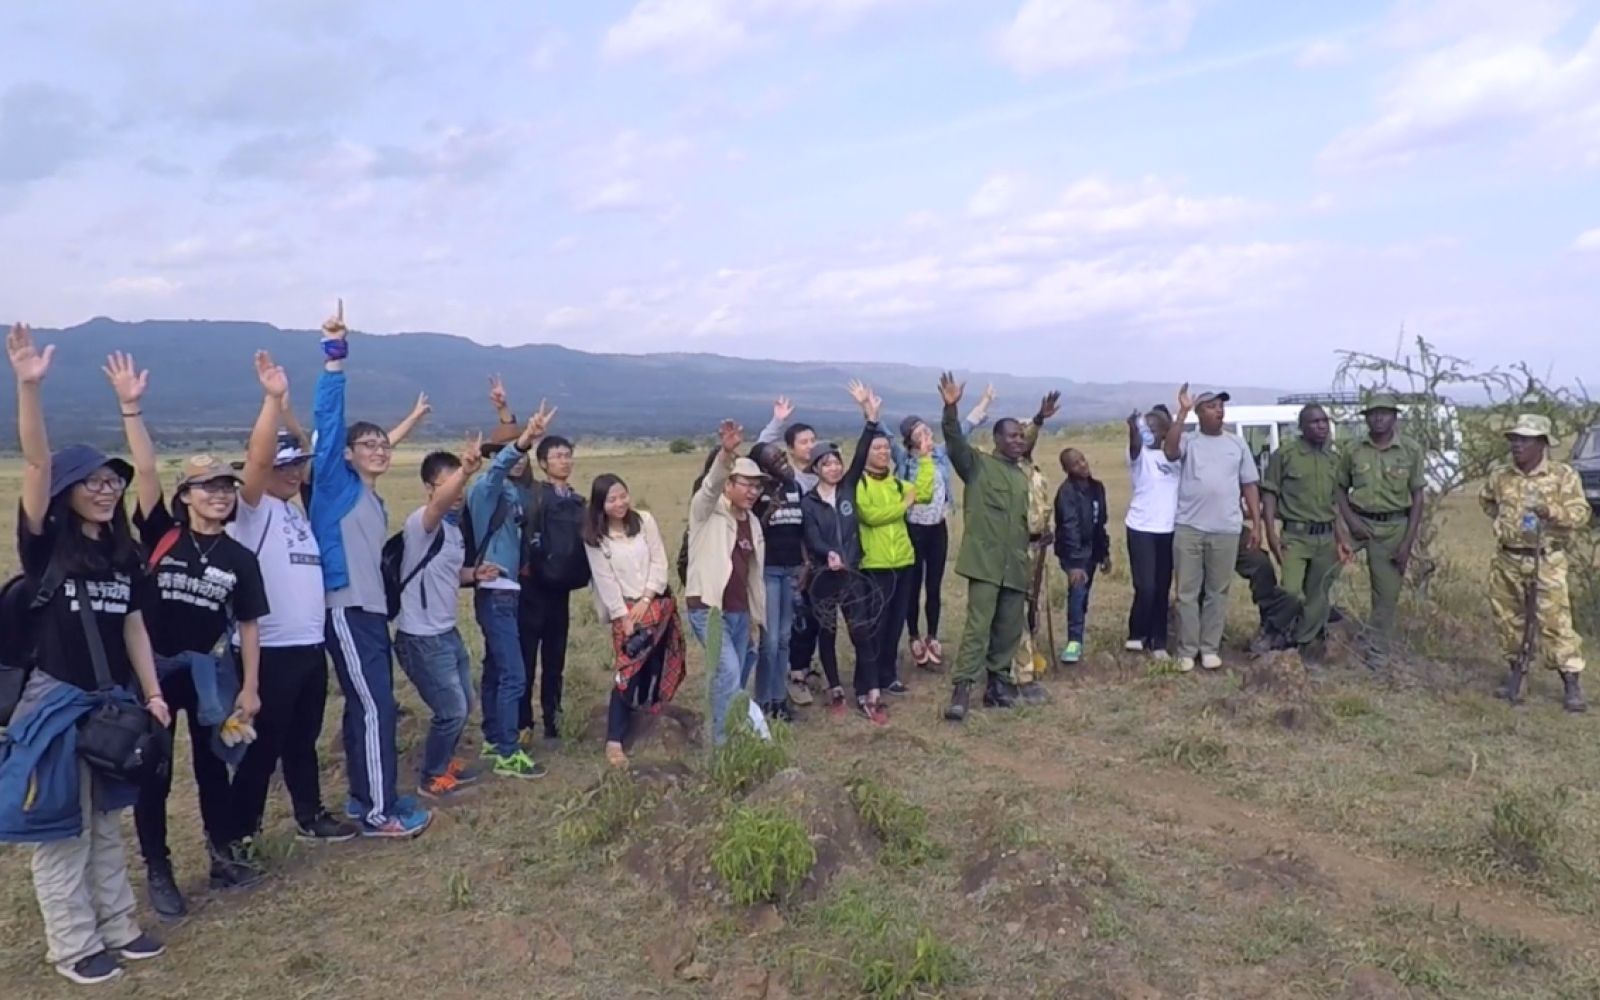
point(1252, 833)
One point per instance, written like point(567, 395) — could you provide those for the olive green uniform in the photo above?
point(1379, 483)
point(1302, 479)
point(994, 555)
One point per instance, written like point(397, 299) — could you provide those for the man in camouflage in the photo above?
point(1380, 481)
point(1041, 511)
point(1299, 490)
point(1536, 506)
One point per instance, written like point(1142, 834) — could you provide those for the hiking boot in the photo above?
point(1073, 652)
point(1511, 688)
point(234, 867)
point(518, 765)
point(162, 889)
point(798, 692)
point(444, 787)
point(464, 773)
point(140, 948)
point(97, 968)
point(960, 695)
point(326, 828)
point(1572, 700)
point(1000, 693)
point(1033, 694)
point(1263, 642)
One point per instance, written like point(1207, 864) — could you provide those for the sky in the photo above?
point(1098, 189)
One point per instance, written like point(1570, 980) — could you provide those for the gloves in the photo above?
point(236, 731)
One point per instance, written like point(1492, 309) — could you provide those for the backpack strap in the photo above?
point(91, 637)
point(165, 544)
point(497, 520)
point(434, 549)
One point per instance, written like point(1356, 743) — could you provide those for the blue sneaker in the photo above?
point(400, 826)
point(403, 804)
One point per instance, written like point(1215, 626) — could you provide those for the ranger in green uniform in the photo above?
point(1380, 482)
point(1299, 490)
point(994, 554)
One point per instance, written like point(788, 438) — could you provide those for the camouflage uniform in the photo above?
point(1508, 495)
point(1041, 511)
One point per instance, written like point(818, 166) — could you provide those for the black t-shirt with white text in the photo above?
point(782, 524)
point(62, 650)
point(196, 580)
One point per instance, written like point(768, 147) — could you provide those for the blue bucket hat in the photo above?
point(75, 463)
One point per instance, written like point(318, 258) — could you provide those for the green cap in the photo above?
point(1381, 401)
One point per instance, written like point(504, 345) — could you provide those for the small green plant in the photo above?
point(902, 826)
point(1275, 932)
point(1197, 752)
point(762, 854)
point(890, 956)
point(600, 814)
point(1524, 832)
point(458, 887)
point(744, 759)
point(680, 446)
point(1508, 950)
point(1108, 924)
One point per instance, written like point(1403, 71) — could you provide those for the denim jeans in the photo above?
point(504, 678)
point(772, 667)
point(441, 671)
point(731, 660)
point(1078, 605)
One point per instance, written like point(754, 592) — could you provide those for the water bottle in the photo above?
point(1530, 522)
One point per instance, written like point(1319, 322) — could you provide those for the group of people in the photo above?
point(226, 599)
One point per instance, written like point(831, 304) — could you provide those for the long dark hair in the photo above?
point(594, 515)
point(79, 555)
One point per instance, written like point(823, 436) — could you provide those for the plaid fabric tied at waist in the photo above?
point(661, 621)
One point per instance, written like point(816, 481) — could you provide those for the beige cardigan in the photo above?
point(624, 569)
point(713, 532)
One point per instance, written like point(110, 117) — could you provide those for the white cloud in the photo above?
point(1052, 35)
point(146, 285)
point(694, 34)
point(1478, 90)
point(994, 197)
point(1589, 240)
point(567, 318)
point(1097, 207)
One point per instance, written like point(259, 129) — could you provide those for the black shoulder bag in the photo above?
point(117, 738)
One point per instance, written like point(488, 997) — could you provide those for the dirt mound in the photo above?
point(1275, 688)
point(1276, 872)
point(671, 732)
point(1029, 891)
point(824, 808)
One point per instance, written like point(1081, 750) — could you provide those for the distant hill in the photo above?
point(203, 385)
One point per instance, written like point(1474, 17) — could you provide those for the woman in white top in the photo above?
point(628, 574)
point(1151, 516)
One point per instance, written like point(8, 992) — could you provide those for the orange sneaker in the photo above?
point(442, 788)
point(464, 773)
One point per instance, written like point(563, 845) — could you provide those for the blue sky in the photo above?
point(1102, 189)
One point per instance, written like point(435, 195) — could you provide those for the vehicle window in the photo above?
point(1288, 431)
point(1587, 447)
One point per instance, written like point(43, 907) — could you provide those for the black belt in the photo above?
point(1393, 515)
point(1527, 550)
point(1309, 527)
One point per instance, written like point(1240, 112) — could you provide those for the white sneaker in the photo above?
point(1185, 664)
point(1160, 655)
point(1211, 661)
point(1133, 646)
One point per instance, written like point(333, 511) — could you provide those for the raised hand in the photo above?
point(1133, 420)
point(950, 390)
point(730, 435)
point(126, 381)
point(333, 327)
point(472, 454)
point(987, 399)
point(497, 392)
point(1050, 405)
point(858, 391)
point(782, 409)
point(423, 407)
point(1185, 401)
point(27, 360)
point(274, 380)
point(542, 418)
point(872, 407)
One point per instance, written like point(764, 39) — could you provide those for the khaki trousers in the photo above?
point(82, 885)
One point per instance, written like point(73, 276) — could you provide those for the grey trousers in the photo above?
point(1203, 561)
point(82, 885)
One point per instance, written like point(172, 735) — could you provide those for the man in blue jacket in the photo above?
point(351, 525)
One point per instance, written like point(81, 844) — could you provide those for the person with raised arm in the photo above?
point(994, 555)
point(206, 583)
point(87, 596)
point(1149, 523)
point(351, 525)
point(293, 676)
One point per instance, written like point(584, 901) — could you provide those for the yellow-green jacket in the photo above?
point(881, 513)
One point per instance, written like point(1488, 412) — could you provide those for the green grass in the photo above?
point(902, 826)
point(762, 854)
point(745, 759)
point(600, 814)
point(889, 956)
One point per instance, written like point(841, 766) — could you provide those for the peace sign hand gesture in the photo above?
point(950, 390)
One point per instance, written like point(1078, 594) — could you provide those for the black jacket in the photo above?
point(1081, 539)
point(835, 529)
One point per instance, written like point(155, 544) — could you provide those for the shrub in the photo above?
point(680, 446)
point(744, 759)
point(902, 826)
point(600, 814)
point(890, 956)
point(762, 854)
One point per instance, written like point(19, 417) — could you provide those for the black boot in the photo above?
point(1000, 693)
point(959, 698)
point(162, 888)
point(234, 867)
point(1573, 701)
point(1033, 694)
point(1511, 688)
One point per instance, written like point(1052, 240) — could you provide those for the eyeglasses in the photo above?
point(746, 484)
point(377, 447)
point(221, 486)
point(104, 485)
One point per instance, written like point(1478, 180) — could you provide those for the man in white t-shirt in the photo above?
point(294, 667)
point(426, 640)
point(1151, 514)
point(1216, 470)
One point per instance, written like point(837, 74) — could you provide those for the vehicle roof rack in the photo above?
point(1344, 398)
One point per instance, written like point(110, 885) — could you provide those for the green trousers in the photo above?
point(1310, 567)
point(1384, 576)
point(996, 618)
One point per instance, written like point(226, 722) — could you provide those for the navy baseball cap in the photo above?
point(75, 463)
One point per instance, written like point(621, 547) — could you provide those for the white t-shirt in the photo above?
point(291, 569)
point(428, 604)
point(1154, 507)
